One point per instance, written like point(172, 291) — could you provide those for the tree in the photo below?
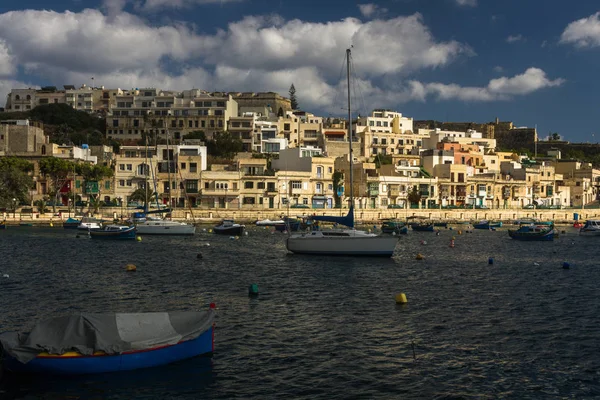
point(145, 197)
point(56, 171)
point(224, 145)
point(555, 137)
point(96, 203)
point(337, 184)
point(197, 135)
point(414, 196)
point(293, 99)
point(15, 181)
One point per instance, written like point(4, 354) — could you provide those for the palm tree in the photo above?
point(96, 203)
point(145, 197)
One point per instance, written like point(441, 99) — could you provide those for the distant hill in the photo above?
point(64, 124)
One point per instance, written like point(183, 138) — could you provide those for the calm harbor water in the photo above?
point(326, 327)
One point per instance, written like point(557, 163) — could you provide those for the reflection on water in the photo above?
point(193, 375)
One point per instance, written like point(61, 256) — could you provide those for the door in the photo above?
point(271, 202)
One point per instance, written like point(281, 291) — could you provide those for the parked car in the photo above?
point(299, 206)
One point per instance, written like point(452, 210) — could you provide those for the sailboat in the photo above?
point(343, 242)
point(162, 226)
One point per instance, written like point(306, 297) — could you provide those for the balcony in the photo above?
point(191, 190)
point(271, 189)
point(424, 193)
point(373, 192)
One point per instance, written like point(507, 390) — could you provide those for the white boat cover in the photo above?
point(110, 333)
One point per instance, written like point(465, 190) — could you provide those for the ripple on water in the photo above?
point(325, 327)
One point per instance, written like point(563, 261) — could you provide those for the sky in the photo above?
point(533, 62)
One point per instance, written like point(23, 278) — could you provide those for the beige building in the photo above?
point(155, 113)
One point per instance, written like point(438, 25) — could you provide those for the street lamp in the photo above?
point(14, 208)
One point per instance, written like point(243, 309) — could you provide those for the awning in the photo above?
point(334, 133)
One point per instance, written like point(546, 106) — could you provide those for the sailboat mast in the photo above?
point(349, 127)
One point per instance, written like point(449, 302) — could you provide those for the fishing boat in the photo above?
point(421, 224)
point(533, 233)
point(228, 227)
point(532, 221)
point(394, 226)
point(344, 242)
point(591, 228)
point(114, 232)
point(98, 343)
point(487, 225)
point(289, 225)
point(71, 223)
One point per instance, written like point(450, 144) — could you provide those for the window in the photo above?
point(115, 123)
point(248, 185)
point(260, 185)
point(129, 167)
point(305, 201)
point(122, 182)
point(296, 184)
point(107, 185)
point(330, 170)
point(319, 172)
point(129, 183)
point(182, 165)
point(121, 167)
point(222, 185)
point(319, 187)
point(193, 167)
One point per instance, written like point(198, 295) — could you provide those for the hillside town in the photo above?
point(288, 159)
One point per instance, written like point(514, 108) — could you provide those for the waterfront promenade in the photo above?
point(362, 216)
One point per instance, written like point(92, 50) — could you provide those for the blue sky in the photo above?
point(532, 62)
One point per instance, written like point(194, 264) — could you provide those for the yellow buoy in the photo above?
point(51, 224)
point(138, 238)
point(210, 231)
point(419, 256)
point(131, 268)
point(401, 298)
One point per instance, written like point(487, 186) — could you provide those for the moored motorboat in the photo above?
point(591, 228)
point(159, 226)
point(71, 223)
point(487, 225)
point(268, 222)
point(533, 233)
point(89, 223)
point(118, 232)
point(228, 227)
point(99, 343)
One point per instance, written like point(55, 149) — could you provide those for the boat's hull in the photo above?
point(531, 237)
point(343, 246)
point(2, 226)
point(127, 234)
point(422, 228)
point(73, 225)
point(172, 230)
point(268, 222)
point(394, 228)
point(488, 225)
point(231, 230)
point(79, 365)
point(590, 232)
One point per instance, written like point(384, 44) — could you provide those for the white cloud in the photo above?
point(533, 79)
point(584, 32)
point(369, 10)
point(259, 53)
point(466, 3)
point(498, 69)
point(514, 38)
point(7, 65)
point(152, 5)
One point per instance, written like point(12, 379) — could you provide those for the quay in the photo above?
point(363, 216)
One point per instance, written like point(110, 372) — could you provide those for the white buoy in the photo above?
point(232, 237)
point(246, 233)
point(5, 276)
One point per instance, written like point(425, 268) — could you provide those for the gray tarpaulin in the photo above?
point(110, 333)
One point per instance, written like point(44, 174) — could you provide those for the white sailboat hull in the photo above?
point(165, 228)
point(358, 245)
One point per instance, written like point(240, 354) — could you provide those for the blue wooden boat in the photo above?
point(182, 335)
point(487, 225)
point(71, 223)
point(114, 232)
point(394, 226)
point(422, 227)
point(533, 233)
